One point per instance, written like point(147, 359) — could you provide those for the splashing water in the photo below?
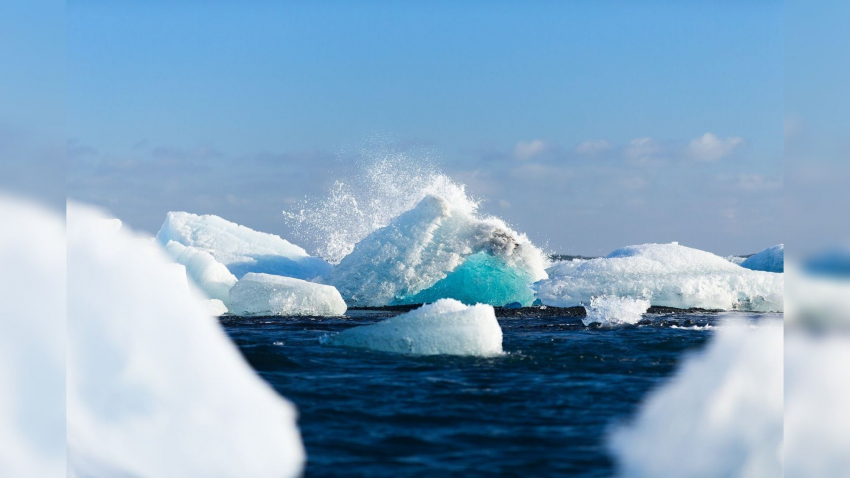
point(389, 182)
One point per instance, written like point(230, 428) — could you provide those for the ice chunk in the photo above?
point(721, 415)
point(239, 248)
point(213, 278)
point(436, 251)
point(154, 386)
point(265, 294)
point(446, 327)
point(771, 259)
point(608, 310)
point(216, 307)
point(667, 275)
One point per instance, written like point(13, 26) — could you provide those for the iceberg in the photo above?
point(607, 310)
point(240, 249)
point(666, 275)
point(439, 250)
point(446, 327)
point(211, 276)
point(720, 415)
point(265, 294)
point(771, 259)
point(154, 387)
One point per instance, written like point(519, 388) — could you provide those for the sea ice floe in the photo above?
point(667, 275)
point(771, 259)
point(611, 310)
point(446, 327)
point(439, 250)
point(266, 294)
point(720, 415)
point(211, 276)
point(154, 387)
point(239, 248)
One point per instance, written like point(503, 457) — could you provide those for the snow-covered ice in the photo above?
point(265, 294)
point(154, 386)
point(211, 276)
point(440, 249)
point(611, 310)
point(446, 327)
point(667, 275)
point(239, 248)
point(771, 259)
point(720, 415)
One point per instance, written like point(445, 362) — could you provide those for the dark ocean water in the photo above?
point(542, 409)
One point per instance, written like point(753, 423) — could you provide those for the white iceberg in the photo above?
point(771, 259)
point(446, 327)
point(239, 248)
point(211, 276)
point(609, 310)
point(154, 387)
point(265, 294)
point(666, 275)
point(440, 250)
point(720, 415)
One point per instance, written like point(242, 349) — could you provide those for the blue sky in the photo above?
point(581, 123)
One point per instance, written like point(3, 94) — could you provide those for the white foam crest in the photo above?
point(389, 183)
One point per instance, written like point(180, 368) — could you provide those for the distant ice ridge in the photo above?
point(609, 310)
point(720, 415)
point(667, 275)
point(265, 294)
point(154, 385)
point(771, 259)
point(239, 248)
point(211, 276)
point(446, 327)
point(440, 249)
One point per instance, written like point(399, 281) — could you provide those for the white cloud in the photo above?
point(709, 147)
point(504, 204)
point(591, 148)
point(643, 150)
point(525, 150)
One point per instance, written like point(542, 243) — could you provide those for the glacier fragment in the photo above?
point(610, 310)
point(446, 327)
point(265, 294)
point(239, 248)
point(771, 259)
point(666, 275)
point(440, 250)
